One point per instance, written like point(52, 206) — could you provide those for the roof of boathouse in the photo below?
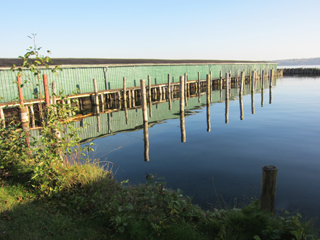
point(8, 62)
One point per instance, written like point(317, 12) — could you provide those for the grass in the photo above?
point(94, 206)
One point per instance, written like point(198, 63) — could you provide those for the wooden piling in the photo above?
point(46, 90)
point(149, 86)
point(210, 81)
point(270, 86)
point(169, 84)
point(268, 188)
point(145, 120)
point(32, 118)
point(242, 79)
point(208, 103)
point(185, 89)
point(20, 91)
point(95, 95)
point(182, 102)
point(199, 82)
point(124, 89)
point(227, 99)
point(262, 88)
point(2, 118)
point(221, 80)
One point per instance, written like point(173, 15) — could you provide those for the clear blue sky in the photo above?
point(202, 29)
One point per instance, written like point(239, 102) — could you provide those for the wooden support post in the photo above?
point(95, 96)
point(46, 90)
point(149, 86)
point(242, 80)
point(69, 106)
point(124, 89)
point(160, 92)
point(169, 84)
point(145, 120)
point(185, 88)
point(270, 86)
point(262, 88)
point(102, 102)
point(119, 96)
point(210, 81)
point(227, 99)
point(20, 91)
point(221, 80)
point(208, 103)
point(268, 188)
point(182, 102)
point(31, 112)
point(2, 118)
point(199, 87)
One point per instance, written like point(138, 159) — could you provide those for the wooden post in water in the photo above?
point(102, 102)
point(129, 99)
point(145, 120)
point(199, 88)
point(95, 95)
point(227, 99)
point(185, 88)
point(262, 88)
point(208, 103)
point(124, 89)
point(169, 84)
point(182, 102)
point(221, 80)
point(252, 92)
point(242, 79)
point(210, 77)
point(150, 95)
point(268, 188)
point(270, 86)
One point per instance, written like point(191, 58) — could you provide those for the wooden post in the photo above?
point(31, 111)
point(199, 83)
point(262, 88)
point(268, 188)
point(221, 80)
point(96, 97)
point(182, 102)
point(169, 84)
point(105, 77)
point(210, 81)
point(145, 120)
point(46, 89)
point(208, 103)
point(102, 102)
point(270, 86)
point(227, 99)
point(149, 86)
point(20, 91)
point(69, 105)
point(242, 79)
point(2, 118)
point(124, 89)
point(160, 92)
point(185, 89)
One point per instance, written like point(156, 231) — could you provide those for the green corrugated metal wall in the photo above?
point(71, 79)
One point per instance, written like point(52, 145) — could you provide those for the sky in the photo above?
point(163, 29)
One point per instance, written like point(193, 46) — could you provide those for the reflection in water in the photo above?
point(146, 141)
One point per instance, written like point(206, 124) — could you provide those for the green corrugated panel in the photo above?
point(72, 78)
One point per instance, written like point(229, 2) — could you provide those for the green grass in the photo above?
point(94, 206)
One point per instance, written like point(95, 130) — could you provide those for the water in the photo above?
point(229, 157)
point(299, 66)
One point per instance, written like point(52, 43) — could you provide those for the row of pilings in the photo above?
point(28, 113)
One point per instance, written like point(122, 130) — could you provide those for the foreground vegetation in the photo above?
point(50, 189)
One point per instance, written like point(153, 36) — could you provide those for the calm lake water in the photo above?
point(229, 158)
